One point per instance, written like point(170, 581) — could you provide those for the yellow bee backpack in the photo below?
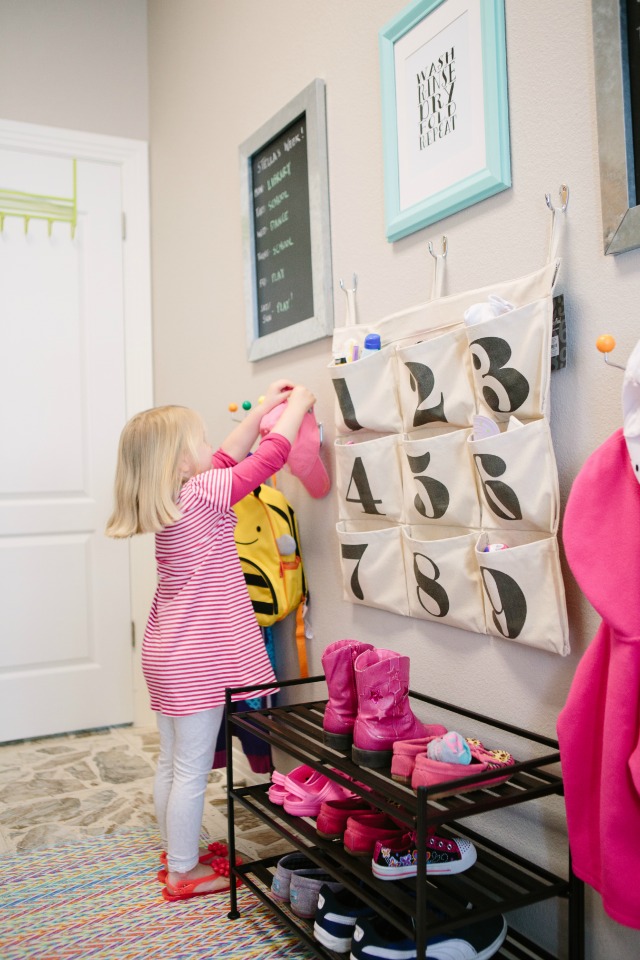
point(268, 545)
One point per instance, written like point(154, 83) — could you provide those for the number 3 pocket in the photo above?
point(511, 357)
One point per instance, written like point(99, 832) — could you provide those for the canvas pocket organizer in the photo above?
point(419, 496)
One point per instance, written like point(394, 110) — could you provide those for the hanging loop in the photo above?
point(352, 316)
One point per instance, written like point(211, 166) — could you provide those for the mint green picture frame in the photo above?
point(493, 173)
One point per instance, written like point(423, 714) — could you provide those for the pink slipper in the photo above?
point(305, 800)
point(278, 789)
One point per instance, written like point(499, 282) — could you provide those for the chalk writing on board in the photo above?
point(282, 230)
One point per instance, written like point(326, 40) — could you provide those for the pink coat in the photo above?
point(599, 726)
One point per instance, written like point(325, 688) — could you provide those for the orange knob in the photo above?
point(605, 343)
point(232, 407)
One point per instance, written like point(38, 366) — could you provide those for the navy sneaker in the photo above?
point(376, 939)
point(336, 916)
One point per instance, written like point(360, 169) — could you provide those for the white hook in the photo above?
point(444, 248)
point(349, 289)
point(564, 199)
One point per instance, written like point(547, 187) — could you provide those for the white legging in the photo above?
point(187, 746)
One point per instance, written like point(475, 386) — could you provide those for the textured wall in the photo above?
point(212, 84)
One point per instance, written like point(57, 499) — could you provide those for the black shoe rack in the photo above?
point(500, 881)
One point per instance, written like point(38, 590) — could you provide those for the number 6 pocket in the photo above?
point(524, 591)
point(372, 565)
point(368, 478)
point(511, 357)
point(443, 582)
point(438, 479)
point(518, 478)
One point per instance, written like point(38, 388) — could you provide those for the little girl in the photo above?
point(202, 634)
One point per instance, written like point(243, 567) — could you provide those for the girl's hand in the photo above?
point(277, 392)
point(301, 398)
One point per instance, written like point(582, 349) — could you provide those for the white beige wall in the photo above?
point(218, 71)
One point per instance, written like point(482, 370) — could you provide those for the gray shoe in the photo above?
point(305, 889)
point(282, 877)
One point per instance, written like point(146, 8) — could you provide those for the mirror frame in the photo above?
point(620, 214)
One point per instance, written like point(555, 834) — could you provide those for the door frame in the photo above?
point(132, 156)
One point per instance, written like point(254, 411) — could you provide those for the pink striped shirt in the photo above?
point(202, 634)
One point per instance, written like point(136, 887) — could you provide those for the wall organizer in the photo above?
point(444, 450)
point(36, 206)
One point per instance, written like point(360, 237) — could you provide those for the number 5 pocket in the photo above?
point(438, 479)
point(511, 357)
point(518, 478)
point(372, 565)
point(524, 591)
point(443, 582)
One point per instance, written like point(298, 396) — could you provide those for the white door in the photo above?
point(66, 658)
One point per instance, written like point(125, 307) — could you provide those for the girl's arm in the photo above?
point(270, 456)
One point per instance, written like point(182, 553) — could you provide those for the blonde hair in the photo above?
point(150, 470)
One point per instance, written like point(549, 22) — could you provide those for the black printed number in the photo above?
point(437, 493)
point(360, 481)
point(423, 381)
point(508, 603)
point(354, 551)
point(345, 403)
point(500, 498)
point(432, 596)
point(504, 388)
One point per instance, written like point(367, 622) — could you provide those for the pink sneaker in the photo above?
point(333, 816)
point(431, 773)
point(406, 751)
point(305, 799)
point(365, 829)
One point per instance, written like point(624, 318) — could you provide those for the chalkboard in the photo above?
point(281, 223)
point(286, 236)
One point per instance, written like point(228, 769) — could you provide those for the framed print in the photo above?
point(285, 228)
point(445, 115)
point(616, 54)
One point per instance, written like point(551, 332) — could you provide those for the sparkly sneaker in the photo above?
point(336, 916)
point(394, 861)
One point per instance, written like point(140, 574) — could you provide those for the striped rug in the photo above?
point(99, 898)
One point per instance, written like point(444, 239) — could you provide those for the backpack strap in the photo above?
point(301, 641)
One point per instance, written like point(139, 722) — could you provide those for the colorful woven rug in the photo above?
point(100, 898)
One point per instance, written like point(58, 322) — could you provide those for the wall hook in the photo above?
point(605, 344)
point(348, 289)
point(564, 199)
point(444, 248)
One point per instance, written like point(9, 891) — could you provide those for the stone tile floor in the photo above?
point(58, 789)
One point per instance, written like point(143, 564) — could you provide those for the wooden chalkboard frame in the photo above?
point(310, 103)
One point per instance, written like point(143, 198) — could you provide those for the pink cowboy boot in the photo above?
point(384, 714)
point(340, 712)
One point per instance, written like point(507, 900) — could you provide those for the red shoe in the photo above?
point(365, 829)
point(185, 889)
point(333, 816)
point(216, 849)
